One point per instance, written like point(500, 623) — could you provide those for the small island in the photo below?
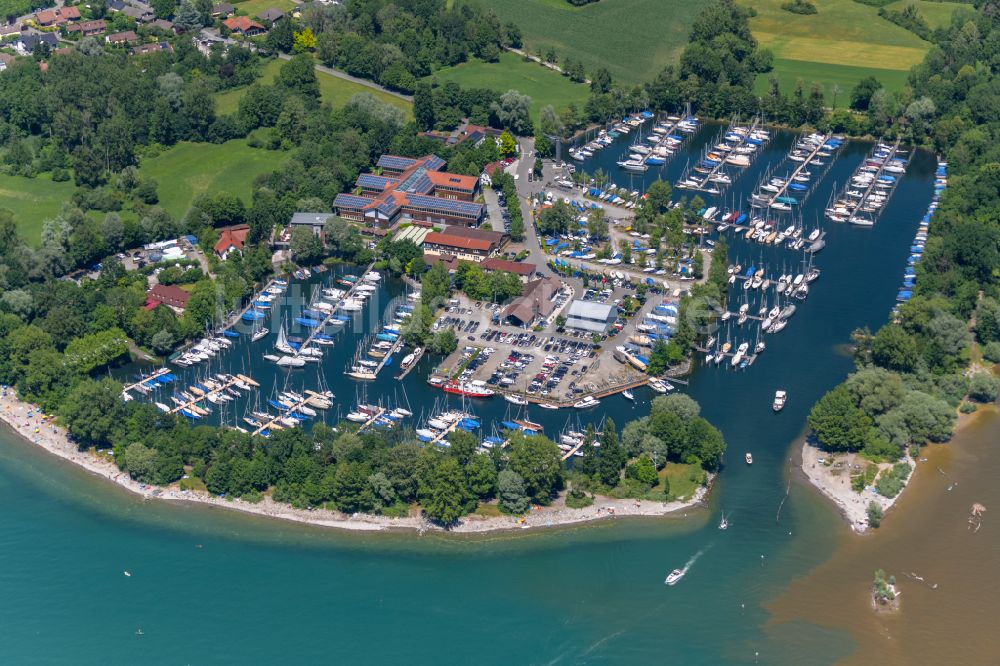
point(885, 596)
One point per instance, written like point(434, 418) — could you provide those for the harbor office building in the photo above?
point(408, 189)
point(464, 244)
point(590, 316)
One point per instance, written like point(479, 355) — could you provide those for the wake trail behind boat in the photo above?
point(677, 574)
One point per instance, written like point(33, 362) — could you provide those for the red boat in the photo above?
point(475, 389)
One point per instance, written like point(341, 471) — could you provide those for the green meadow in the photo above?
point(189, 169)
point(334, 91)
point(33, 200)
point(543, 85)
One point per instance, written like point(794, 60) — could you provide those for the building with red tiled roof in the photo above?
point(415, 190)
point(88, 28)
point(244, 25)
point(232, 239)
point(523, 269)
point(56, 16)
point(468, 249)
point(536, 300)
point(173, 297)
point(126, 37)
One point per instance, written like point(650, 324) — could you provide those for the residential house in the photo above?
point(414, 190)
point(155, 47)
point(231, 239)
point(162, 24)
point(56, 16)
point(172, 296)
point(88, 28)
point(204, 42)
point(270, 15)
point(5, 59)
point(244, 25)
point(140, 11)
point(537, 301)
point(223, 10)
point(127, 37)
point(27, 43)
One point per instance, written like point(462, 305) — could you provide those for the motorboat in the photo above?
point(779, 401)
point(674, 576)
point(628, 395)
point(515, 399)
point(749, 458)
point(589, 401)
point(547, 405)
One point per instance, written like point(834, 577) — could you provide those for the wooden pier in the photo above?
point(405, 371)
point(142, 382)
point(284, 413)
point(336, 308)
point(220, 388)
point(370, 422)
point(871, 187)
point(707, 178)
point(798, 170)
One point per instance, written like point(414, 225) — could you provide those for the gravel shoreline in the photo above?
point(27, 421)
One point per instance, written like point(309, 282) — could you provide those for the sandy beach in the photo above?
point(834, 481)
point(28, 422)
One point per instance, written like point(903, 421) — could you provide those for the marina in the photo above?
point(864, 197)
point(736, 146)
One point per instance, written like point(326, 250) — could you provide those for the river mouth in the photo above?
point(949, 616)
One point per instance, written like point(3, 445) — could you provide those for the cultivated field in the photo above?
point(542, 84)
point(844, 42)
point(634, 39)
point(190, 169)
point(33, 200)
point(334, 91)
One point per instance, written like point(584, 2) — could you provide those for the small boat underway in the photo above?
point(749, 458)
point(674, 576)
point(779, 401)
point(723, 524)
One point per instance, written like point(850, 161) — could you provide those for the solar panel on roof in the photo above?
point(446, 205)
point(395, 162)
point(351, 200)
point(373, 181)
point(434, 162)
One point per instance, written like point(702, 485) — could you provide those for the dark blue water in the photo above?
point(265, 592)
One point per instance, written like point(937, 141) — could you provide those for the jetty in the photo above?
point(734, 137)
point(214, 389)
point(283, 415)
point(783, 188)
point(152, 377)
point(417, 355)
point(374, 418)
point(333, 311)
point(879, 173)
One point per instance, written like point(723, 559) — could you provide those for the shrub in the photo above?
point(983, 387)
point(892, 481)
point(799, 7)
point(991, 351)
point(874, 514)
point(968, 407)
point(577, 499)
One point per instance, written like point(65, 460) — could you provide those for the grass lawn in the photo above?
point(844, 42)
point(634, 39)
point(254, 7)
point(336, 91)
point(681, 485)
point(542, 84)
point(33, 200)
point(937, 14)
point(190, 169)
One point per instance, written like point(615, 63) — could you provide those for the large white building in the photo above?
point(590, 316)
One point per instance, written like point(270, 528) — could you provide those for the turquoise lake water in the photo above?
point(210, 586)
